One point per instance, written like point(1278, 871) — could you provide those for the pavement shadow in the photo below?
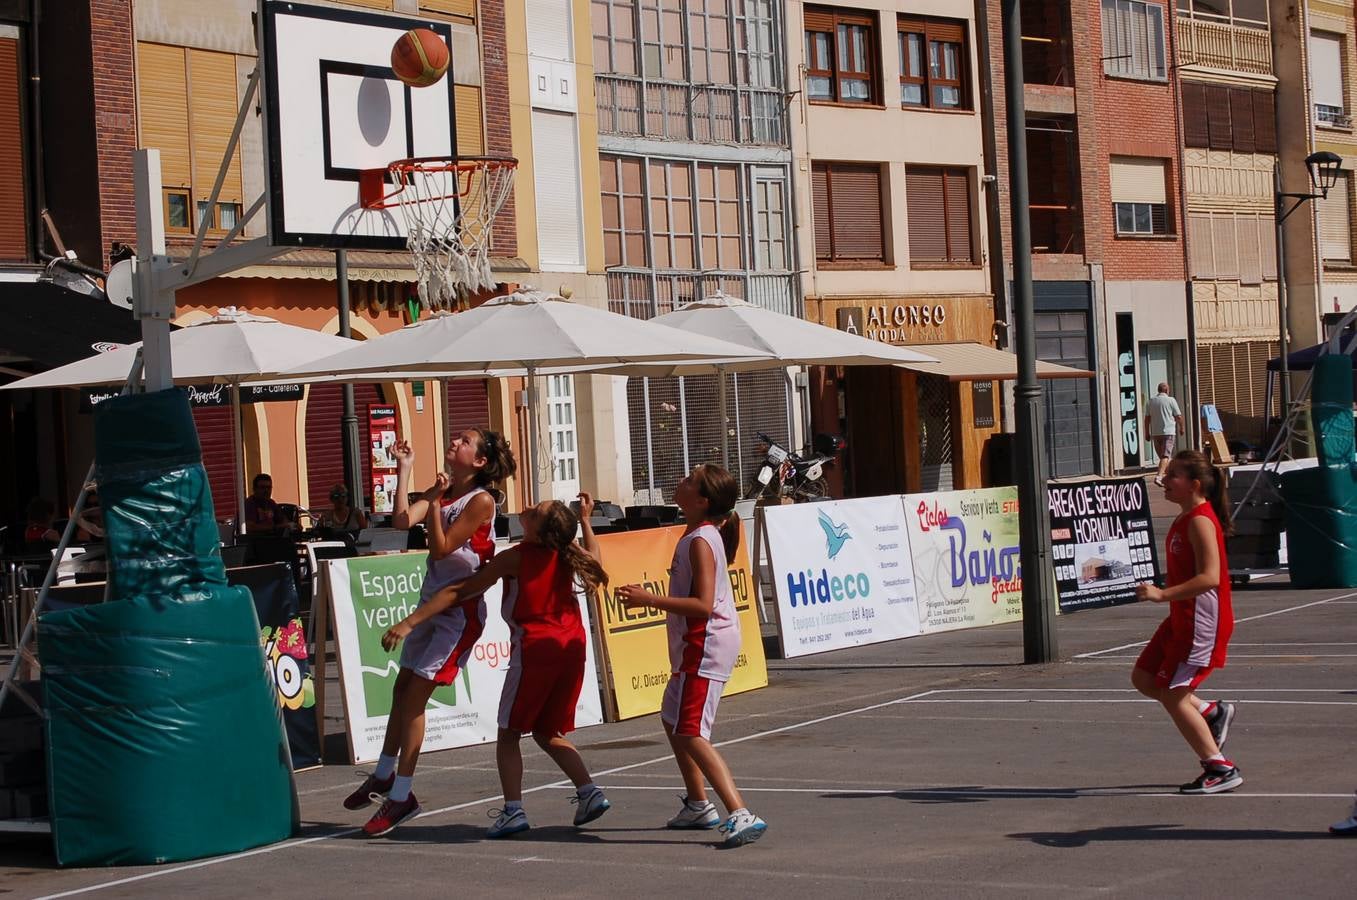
point(981, 794)
point(461, 833)
point(1114, 833)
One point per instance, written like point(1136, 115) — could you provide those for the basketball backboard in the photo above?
point(335, 108)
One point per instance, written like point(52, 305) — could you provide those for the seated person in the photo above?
point(341, 517)
point(262, 514)
point(39, 535)
point(90, 523)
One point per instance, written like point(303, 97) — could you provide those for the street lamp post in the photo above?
point(1323, 167)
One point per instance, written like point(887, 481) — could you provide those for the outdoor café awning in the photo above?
point(976, 362)
point(52, 325)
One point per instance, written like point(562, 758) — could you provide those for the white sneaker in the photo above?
point(1347, 827)
point(509, 822)
point(743, 828)
point(689, 816)
point(590, 807)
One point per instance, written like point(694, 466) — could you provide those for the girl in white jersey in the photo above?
point(459, 514)
point(704, 643)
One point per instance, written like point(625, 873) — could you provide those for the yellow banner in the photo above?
point(635, 647)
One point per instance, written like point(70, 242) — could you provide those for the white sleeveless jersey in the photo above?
point(462, 562)
point(704, 646)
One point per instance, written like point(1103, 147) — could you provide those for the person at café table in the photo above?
point(341, 516)
point(262, 514)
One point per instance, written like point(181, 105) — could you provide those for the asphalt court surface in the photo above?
point(938, 766)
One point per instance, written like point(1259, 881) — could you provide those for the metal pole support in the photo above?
point(353, 460)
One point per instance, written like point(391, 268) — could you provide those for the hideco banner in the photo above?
point(842, 574)
point(965, 548)
point(1102, 541)
point(370, 594)
point(634, 640)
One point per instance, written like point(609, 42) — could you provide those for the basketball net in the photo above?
point(449, 206)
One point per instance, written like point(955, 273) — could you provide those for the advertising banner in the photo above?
point(634, 640)
point(965, 548)
point(1127, 394)
point(1102, 541)
point(842, 574)
point(382, 464)
point(369, 594)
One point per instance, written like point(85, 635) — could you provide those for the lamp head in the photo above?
point(1323, 166)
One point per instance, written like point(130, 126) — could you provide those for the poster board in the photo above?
point(1102, 540)
point(381, 462)
point(369, 594)
point(635, 645)
point(966, 558)
point(842, 574)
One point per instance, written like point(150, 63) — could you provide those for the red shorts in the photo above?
point(540, 694)
point(689, 704)
point(1168, 664)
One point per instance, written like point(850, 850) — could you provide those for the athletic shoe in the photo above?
point(1347, 827)
point(1215, 777)
point(689, 816)
point(1219, 722)
point(372, 787)
point(1158, 481)
point(743, 828)
point(390, 814)
point(590, 807)
point(509, 822)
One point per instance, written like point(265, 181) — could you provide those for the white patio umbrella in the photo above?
point(232, 348)
point(780, 340)
point(525, 333)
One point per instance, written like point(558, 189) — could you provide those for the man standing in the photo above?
point(1163, 423)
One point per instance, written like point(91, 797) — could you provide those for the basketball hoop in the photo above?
point(449, 205)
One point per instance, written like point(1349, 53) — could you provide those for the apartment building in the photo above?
point(1104, 169)
point(694, 175)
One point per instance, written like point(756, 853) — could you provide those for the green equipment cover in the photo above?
point(165, 740)
point(1331, 409)
point(1321, 526)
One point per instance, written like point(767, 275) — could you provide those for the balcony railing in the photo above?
point(1332, 116)
point(677, 111)
point(1217, 45)
point(645, 293)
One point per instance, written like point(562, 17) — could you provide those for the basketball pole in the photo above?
point(152, 305)
point(353, 463)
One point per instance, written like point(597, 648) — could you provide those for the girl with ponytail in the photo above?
point(548, 647)
point(1191, 642)
point(704, 643)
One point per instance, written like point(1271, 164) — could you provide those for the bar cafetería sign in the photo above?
point(890, 322)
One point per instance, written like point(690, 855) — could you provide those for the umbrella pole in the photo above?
point(725, 422)
point(533, 429)
point(239, 457)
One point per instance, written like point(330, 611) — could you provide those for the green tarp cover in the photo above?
point(1331, 409)
point(164, 736)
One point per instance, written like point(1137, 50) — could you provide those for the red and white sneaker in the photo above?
point(1216, 776)
point(390, 814)
point(371, 787)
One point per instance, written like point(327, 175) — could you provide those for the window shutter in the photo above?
point(855, 197)
point(1267, 246)
point(556, 178)
point(466, 101)
point(548, 28)
point(1326, 68)
point(212, 115)
point(952, 31)
point(819, 189)
point(325, 442)
point(217, 439)
point(13, 233)
point(1218, 117)
point(1264, 122)
point(1250, 259)
point(1226, 248)
point(467, 404)
point(1199, 244)
point(925, 205)
point(1195, 132)
point(464, 8)
point(163, 90)
point(1335, 229)
point(1137, 180)
point(1241, 119)
point(819, 19)
point(958, 215)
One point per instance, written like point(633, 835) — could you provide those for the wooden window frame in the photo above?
point(935, 31)
point(189, 209)
point(1159, 221)
point(829, 257)
point(828, 21)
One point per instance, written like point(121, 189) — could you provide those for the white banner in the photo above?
point(842, 574)
point(372, 593)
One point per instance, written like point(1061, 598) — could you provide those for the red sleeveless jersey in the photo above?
point(540, 605)
point(1200, 626)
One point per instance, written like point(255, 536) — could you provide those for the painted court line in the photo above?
point(346, 832)
point(1006, 792)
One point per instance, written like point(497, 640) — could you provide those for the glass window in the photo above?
point(1133, 40)
point(941, 83)
point(228, 214)
point(176, 211)
point(1141, 218)
point(840, 49)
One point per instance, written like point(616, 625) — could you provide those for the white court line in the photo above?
point(1005, 793)
point(1101, 700)
point(1235, 656)
point(1346, 690)
point(288, 845)
point(1275, 612)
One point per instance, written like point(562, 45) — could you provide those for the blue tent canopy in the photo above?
point(1304, 360)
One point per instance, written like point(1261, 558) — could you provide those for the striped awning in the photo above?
point(976, 362)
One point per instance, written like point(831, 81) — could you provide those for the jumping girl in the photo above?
point(1192, 641)
point(547, 656)
point(704, 642)
point(460, 542)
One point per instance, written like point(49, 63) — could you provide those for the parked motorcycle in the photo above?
point(787, 474)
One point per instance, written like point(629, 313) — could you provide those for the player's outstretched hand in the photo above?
point(394, 636)
point(404, 453)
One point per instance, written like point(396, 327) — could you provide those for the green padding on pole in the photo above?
point(164, 737)
point(1321, 526)
point(1331, 409)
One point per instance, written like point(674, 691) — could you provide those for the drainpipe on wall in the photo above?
point(1193, 380)
point(990, 189)
point(38, 194)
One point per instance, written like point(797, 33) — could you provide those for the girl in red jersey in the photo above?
point(547, 655)
point(1191, 642)
point(459, 515)
point(704, 643)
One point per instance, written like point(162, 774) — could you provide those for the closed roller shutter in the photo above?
point(1218, 117)
point(924, 201)
point(1195, 131)
point(219, 456)
point(212, 115)
point(548, 28)
point(1264, 122)
point(163, 93)
point(958, 201)
point(1250, 254)
point(1199, 245)
point(1241, 119)
point(1137, 180)
point(470, 127)
point(855, 205)
point(325, 439)
point(1335, 228)
point(556, 176)
point(1233, 377)
point(1226, 247)
point(1326, 68)
point(13, 214)
point(819, 188)
point(466, 404)
point(463, 8)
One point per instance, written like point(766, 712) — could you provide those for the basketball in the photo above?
point(419, 57)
